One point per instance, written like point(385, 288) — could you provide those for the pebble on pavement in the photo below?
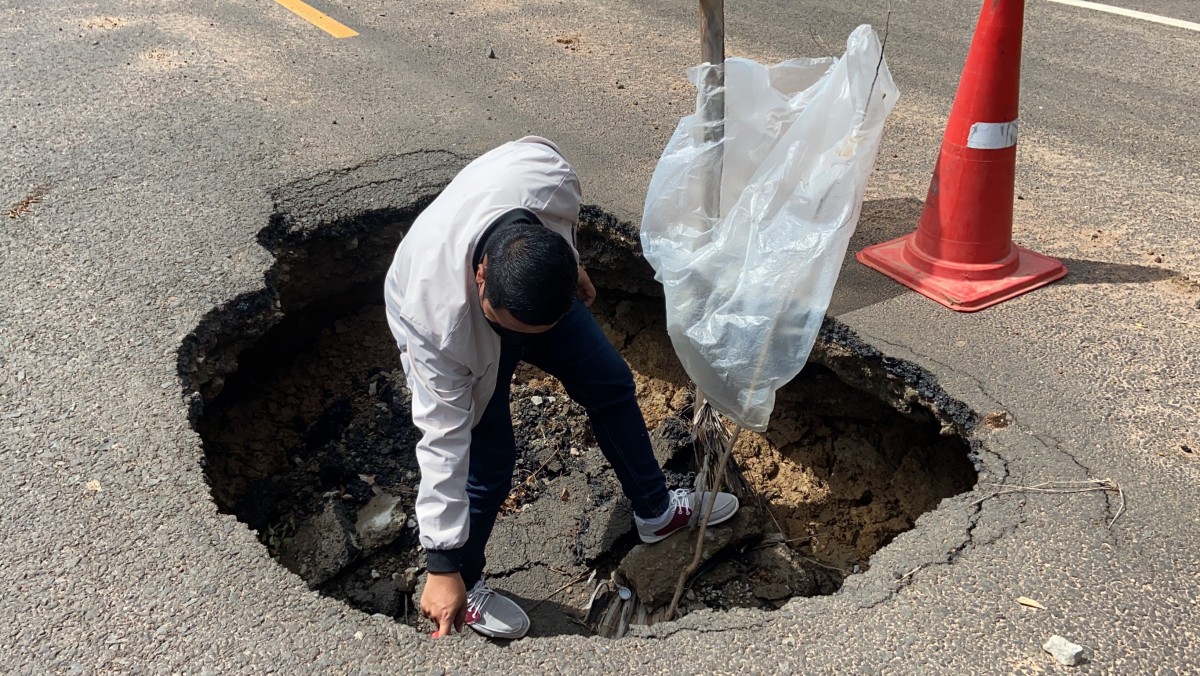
point(1067, 653)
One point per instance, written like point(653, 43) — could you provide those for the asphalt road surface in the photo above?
point(145, 144)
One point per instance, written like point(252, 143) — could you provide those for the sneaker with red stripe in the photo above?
point(493, 615)
point(685, 506)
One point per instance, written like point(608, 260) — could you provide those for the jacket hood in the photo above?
point(544, 182)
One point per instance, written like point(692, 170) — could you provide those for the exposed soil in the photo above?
point(843, 474)
point(309, 441)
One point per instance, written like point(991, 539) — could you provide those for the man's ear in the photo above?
point(481, 272)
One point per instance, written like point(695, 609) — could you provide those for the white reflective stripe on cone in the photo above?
point(992, 135)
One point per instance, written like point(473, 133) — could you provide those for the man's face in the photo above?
point(503, 317)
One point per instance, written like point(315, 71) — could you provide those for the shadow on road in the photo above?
point(882, 220)
point(859, 286)
point(1100, 272)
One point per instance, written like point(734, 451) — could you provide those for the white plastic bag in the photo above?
point(746, 292)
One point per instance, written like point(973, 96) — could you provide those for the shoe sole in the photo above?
point(508, 636)
point(737, 504)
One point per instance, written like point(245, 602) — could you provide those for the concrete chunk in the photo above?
point(653, 570)
point(1067, 653)
point(380, 522)
point(323, 546)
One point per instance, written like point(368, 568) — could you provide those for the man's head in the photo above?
point(528, 277)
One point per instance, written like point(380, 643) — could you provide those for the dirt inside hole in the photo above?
point(304, 413)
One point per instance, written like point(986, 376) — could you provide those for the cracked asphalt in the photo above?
point(146, 144)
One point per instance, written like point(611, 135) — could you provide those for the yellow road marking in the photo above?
point(318, 19)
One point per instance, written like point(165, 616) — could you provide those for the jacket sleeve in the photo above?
point(442, 408)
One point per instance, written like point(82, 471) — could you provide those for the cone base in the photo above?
point(961, 293)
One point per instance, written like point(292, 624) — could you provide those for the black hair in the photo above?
point(531, 272)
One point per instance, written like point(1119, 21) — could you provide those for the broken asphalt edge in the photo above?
point(360, 200)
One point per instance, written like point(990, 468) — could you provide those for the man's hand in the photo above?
point(585, 290)
point(445, 602)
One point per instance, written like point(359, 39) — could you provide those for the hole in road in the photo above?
point(302, 407)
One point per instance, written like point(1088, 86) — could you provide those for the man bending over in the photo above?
point(487, 277)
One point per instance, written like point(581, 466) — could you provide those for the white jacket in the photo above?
point(448, 350)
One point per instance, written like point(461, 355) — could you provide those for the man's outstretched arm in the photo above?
point(442, 410)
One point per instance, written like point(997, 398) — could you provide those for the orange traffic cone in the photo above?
point(962, 254)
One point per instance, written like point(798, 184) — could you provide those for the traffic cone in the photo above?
point(962, 254)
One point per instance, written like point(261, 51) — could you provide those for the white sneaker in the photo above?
point(494, 615)
point(686, 505)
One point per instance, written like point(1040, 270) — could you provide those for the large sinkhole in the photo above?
point(304, 414)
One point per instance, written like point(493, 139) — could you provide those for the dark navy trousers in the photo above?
point(579, 355)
